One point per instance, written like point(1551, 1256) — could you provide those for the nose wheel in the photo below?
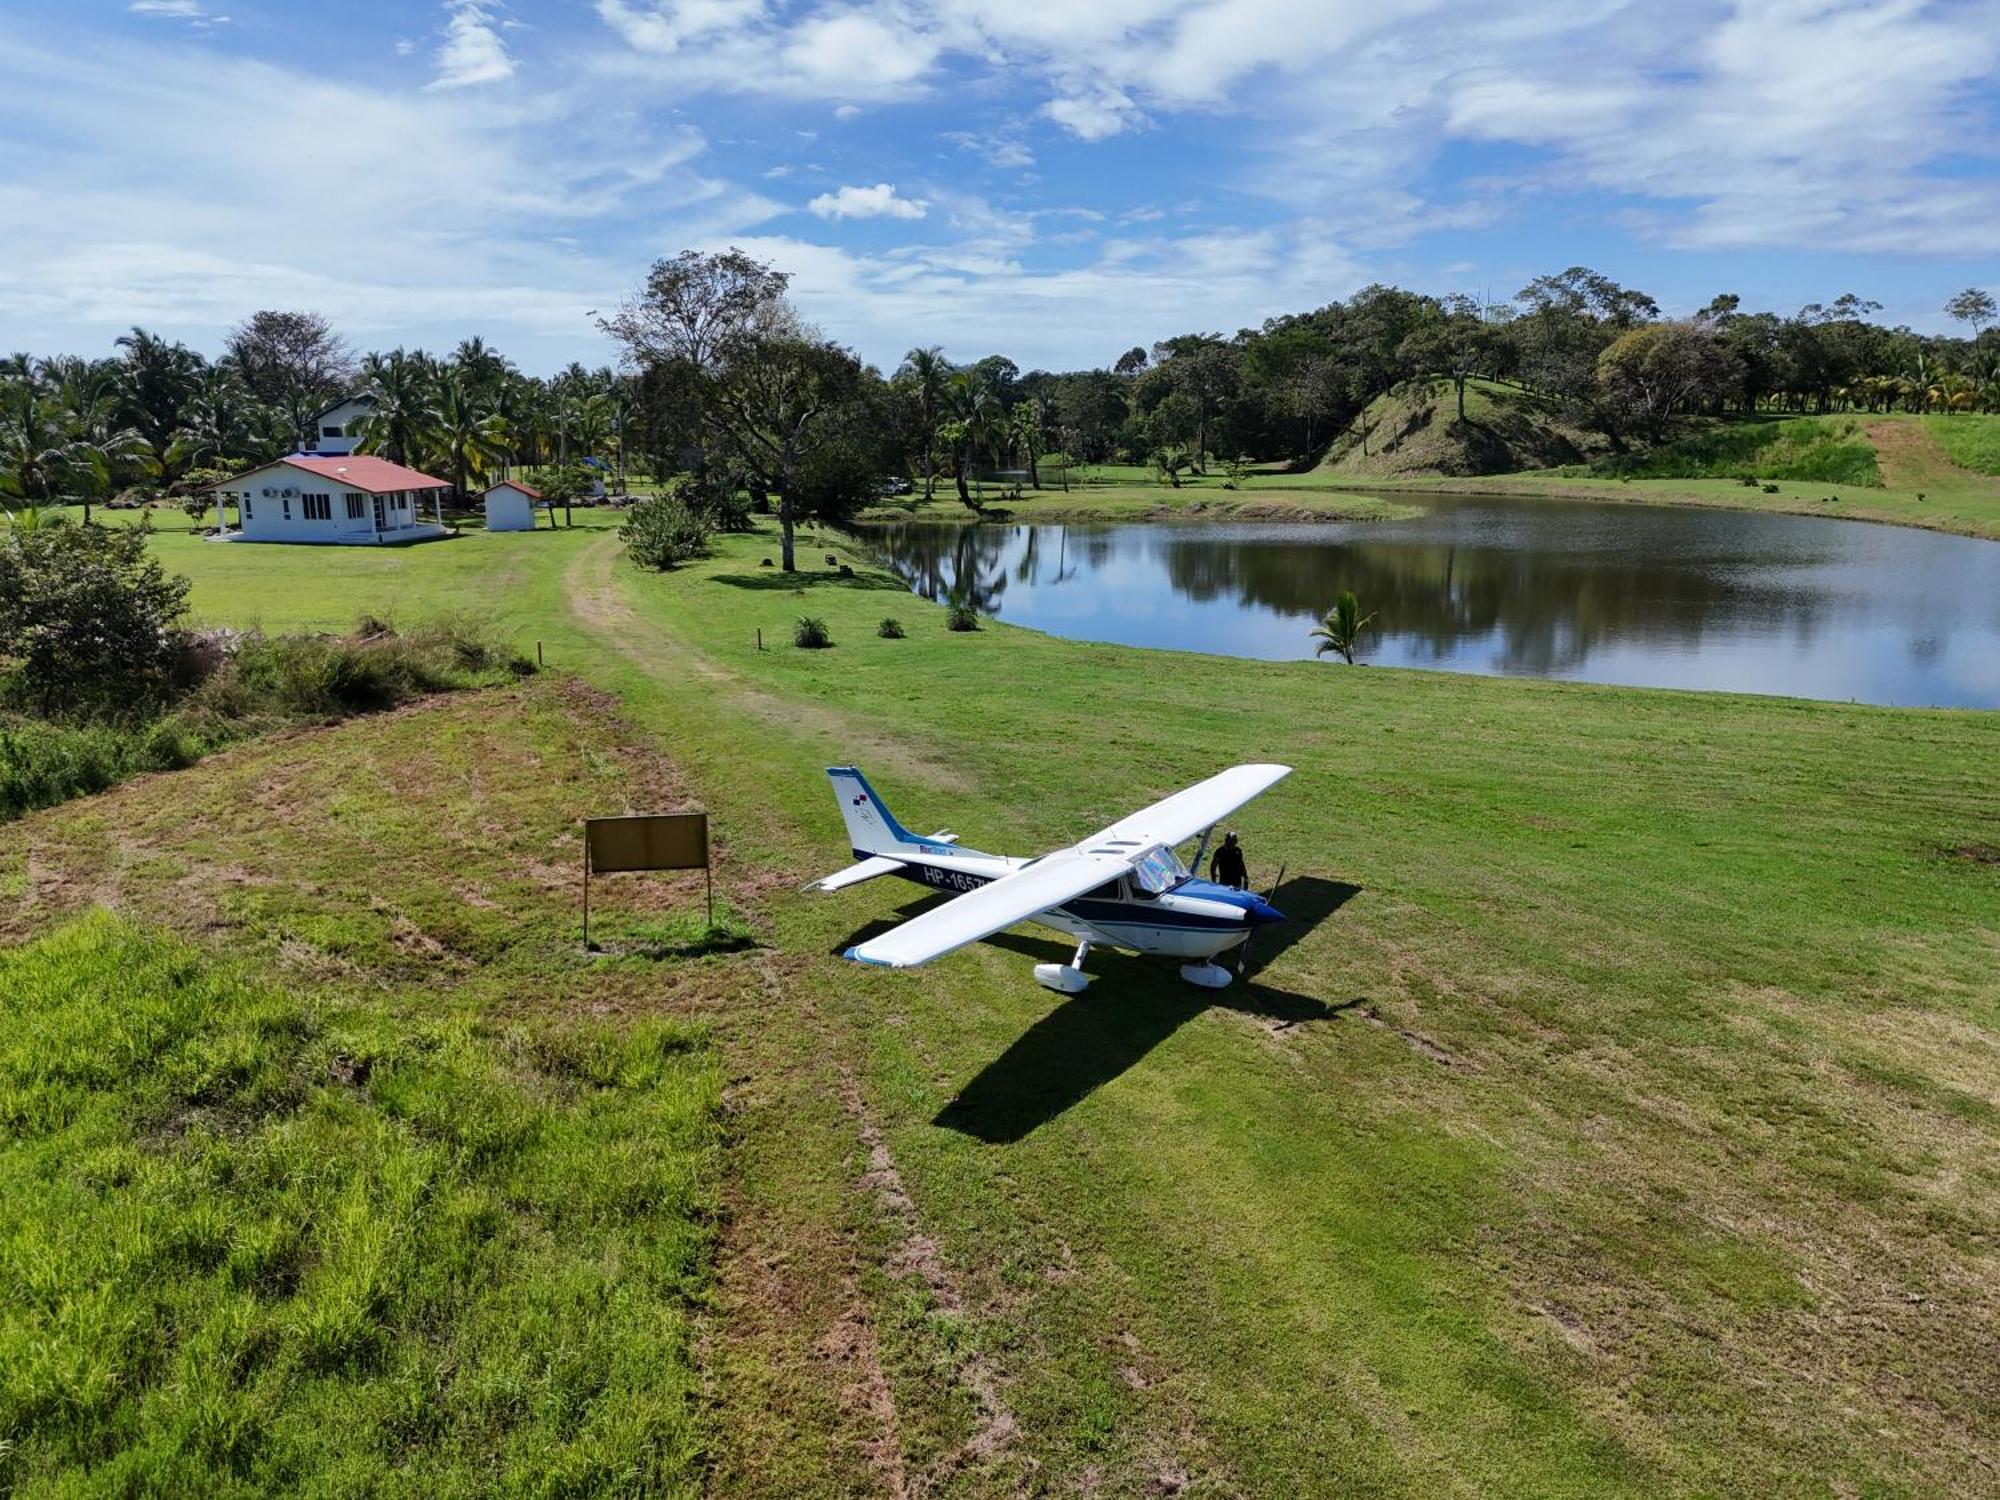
point(1065, 979)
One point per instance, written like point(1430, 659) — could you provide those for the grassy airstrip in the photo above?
point(1617, 1116)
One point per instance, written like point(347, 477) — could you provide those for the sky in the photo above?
point(1056, 180)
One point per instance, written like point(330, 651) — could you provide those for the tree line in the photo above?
point(159, 418)
point(722, 379)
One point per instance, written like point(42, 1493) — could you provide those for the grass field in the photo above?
point(1617, 1114)
point(383, 1188)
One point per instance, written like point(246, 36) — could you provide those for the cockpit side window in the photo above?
point(1155, 872)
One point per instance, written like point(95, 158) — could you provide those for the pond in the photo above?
point(1642, 595)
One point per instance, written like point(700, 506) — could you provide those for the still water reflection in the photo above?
point(1600, 593)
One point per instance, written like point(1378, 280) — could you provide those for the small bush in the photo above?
point(961, 617)
point(664, 532)
point(811, 633)
point(1772, 489)
point(890, 629)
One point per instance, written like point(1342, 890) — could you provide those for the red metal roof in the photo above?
point(361, 471)
point(515, 484)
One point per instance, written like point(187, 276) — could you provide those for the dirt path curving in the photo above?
point(600, 606)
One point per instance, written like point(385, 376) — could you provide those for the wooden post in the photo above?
point(538, 655)
point(760, 637)
point(586, 893)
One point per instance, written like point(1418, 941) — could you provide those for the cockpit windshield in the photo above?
point(1157, 870)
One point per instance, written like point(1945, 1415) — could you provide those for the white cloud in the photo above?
point(664, 26)
point(473, 52)
point(381, 236)
point(877, 202)
point(191, 11)
point(1095, 117)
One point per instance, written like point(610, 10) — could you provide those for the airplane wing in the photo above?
point(1068, 873)
point(1027, 892)
point(1178, 818)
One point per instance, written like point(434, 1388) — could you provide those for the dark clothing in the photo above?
point(1227, 867)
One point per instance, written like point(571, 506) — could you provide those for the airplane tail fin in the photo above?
point(871, 827)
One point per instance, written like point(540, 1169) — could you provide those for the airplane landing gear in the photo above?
point(1210, 975)
point(1065, 979)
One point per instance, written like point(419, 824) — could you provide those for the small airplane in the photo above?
point(1123, 887)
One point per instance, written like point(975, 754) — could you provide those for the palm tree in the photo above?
point(975, 414)
point(1025, 429)
point(924, 373)
point(31, 439)
point(211, 426)
point(405, 417)
point(468, 434)
point(1341, 629)
point(100, 453)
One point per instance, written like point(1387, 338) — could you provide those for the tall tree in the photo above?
point(779, 397)
point(924, 373)
point(294, 360)
point(1975, 306)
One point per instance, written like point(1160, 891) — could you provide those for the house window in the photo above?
point(288, 510)
point(319, 507)
point(331, 432)
point(243, 504)
point(355, 505)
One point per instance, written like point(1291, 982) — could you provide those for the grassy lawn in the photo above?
point(1616, 1115)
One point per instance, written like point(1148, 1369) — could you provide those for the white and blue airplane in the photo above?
point(1121, 888)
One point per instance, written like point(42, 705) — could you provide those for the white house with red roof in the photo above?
point(510, 506)
point(355, 499)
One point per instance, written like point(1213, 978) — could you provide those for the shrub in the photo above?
point(664, 532)
point(961, 617)
point(87, 621)
point(890, 629)
point(811, 633)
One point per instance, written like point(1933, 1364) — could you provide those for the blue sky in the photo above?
point(1052, 179)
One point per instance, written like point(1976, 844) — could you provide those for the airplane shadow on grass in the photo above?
point(1132, 1006)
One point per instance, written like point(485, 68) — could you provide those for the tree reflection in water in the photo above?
point(1689, 598)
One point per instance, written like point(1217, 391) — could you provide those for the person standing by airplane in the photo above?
point(1227, 867)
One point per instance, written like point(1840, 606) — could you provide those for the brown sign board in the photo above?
point(647, 841)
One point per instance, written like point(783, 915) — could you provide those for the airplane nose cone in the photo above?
point(1263, 913)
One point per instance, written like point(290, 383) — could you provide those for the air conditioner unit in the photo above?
point(269, 491)
point(291, 490)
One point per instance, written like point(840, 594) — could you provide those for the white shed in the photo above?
point(510, 506)
point(354, 499)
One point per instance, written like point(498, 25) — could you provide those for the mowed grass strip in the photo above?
point(1616, 1116)
point(254, 1242)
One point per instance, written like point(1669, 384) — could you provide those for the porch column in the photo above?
point(220, 525)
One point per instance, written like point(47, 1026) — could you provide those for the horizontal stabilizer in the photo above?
point(868, 869)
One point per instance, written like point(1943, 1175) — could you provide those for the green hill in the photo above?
point(1831, 450)
point(1414, 429)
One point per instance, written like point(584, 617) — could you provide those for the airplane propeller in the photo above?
point(1243, 953)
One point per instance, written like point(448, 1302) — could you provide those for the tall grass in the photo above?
point(1970, 440)
point(1812, 450)
point(254, 1244)
point(268, 682)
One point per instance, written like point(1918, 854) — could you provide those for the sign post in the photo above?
point(645, 841)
